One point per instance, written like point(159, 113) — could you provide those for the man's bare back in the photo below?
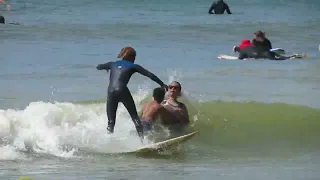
point(150, 111)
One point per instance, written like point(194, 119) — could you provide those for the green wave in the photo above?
point(252, 127)
point(256, 128)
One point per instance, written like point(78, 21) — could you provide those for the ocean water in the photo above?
point(257, 119)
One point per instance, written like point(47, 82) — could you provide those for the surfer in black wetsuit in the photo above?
point(260, 40)
point(2, 20)
point(219, 7)
point(260, 53)
point(120, 74)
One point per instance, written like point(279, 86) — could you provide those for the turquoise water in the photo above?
point(52, 111)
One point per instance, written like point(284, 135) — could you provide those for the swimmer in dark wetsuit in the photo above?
point(120, 74)
point(219, 7)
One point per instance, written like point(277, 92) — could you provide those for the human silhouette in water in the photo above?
point(219, 7)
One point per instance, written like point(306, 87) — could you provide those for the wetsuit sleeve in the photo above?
point(148, 74)
point(212, 7)
point(242, 55)
point(105, 66)
point(269, 44)
point(227, 8)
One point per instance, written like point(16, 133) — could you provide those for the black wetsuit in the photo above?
point(260, 53)
point(120, 74)
point(219, 7)
point(2, 20)
point(266, 44)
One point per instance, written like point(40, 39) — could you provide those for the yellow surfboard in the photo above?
point(165, 144)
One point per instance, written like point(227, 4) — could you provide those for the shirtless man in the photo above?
point(152, 110)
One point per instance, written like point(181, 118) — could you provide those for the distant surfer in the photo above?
point(219, 7)
point(120, 74)
point(257, 52)
point(259, 48)
point(260, 40)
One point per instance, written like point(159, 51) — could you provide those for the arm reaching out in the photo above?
point(150, 75)
point(105, 66)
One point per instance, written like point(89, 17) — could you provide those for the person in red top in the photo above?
point(5, 3)
point(244, 43)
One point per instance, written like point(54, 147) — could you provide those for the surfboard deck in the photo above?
point(164, 144)
point(227, 57)
point(278, 51)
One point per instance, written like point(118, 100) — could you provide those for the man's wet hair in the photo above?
point(158, 94)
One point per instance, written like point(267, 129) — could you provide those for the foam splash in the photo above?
point(8, 152)
point(64, 128)
point(60, 129)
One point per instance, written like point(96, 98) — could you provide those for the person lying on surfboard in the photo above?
point(259, 40)
point(260, 53)
point(120, 74)
point(153, 110)
point(178, 117)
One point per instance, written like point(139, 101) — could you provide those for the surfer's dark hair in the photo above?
point(158, 94)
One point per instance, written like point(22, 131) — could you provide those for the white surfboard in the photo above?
point(164, 144)
point(279, 51)
point(227, 57)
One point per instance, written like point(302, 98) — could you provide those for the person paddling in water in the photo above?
point(120, 74)
point(219, 7)
point(260, 53)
